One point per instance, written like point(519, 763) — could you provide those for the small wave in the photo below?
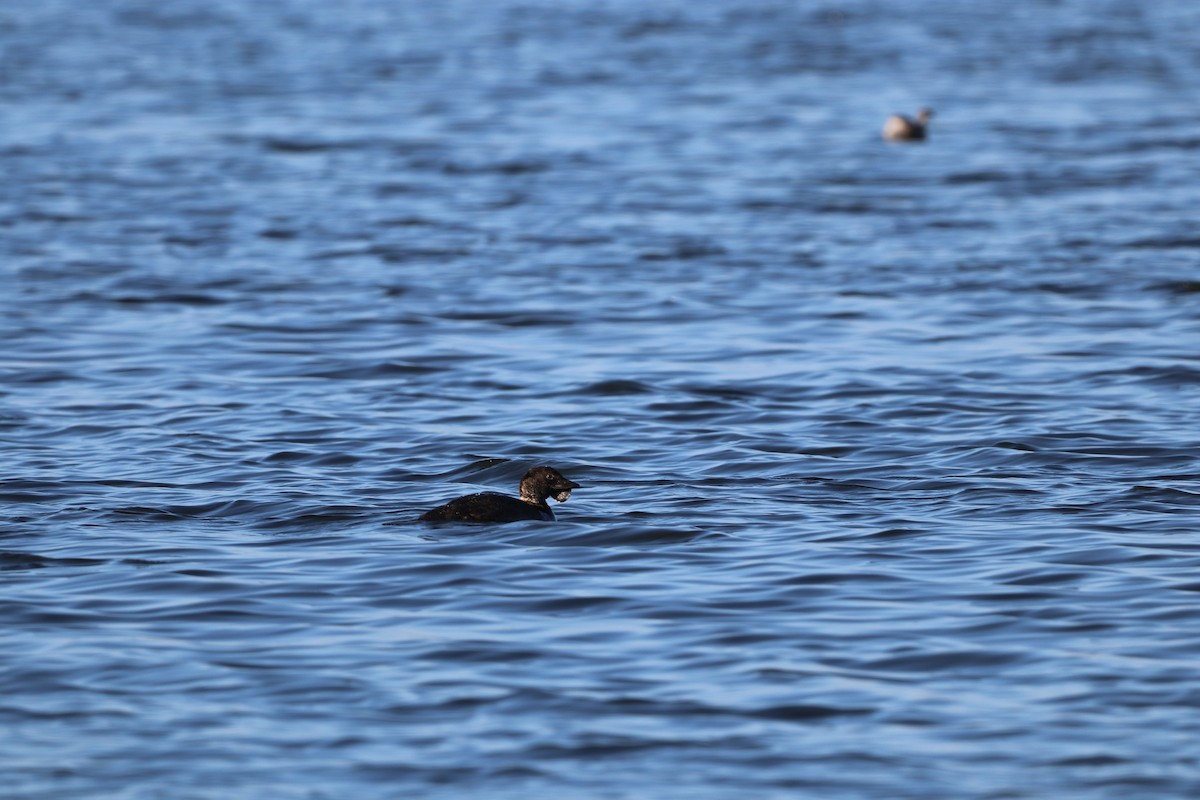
point(615, 388)
point(10, 561)
point(1165, 243)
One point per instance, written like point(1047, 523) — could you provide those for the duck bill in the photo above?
point(566, 490)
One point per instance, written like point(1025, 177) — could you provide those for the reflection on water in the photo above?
point(888, 452)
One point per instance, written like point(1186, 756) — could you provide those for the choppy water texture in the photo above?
point(889, 453)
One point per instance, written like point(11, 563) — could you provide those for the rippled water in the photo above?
point(889, 453)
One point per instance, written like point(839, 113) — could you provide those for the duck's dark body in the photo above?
point(489, 507)
point(538, 484)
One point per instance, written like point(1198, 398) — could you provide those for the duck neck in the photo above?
point(533, 499)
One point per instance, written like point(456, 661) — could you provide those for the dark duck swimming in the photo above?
point(900, 128)
point(538, 484)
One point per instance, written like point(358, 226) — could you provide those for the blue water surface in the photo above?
point(889, 452)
